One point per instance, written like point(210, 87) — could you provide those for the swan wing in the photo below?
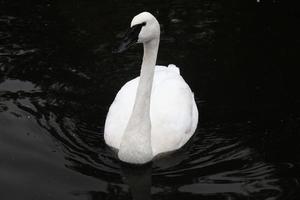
point(174, 114)
point(119, 112)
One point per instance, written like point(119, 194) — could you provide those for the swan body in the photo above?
point(155, 112)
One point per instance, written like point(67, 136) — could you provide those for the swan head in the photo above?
point(144, 28)
point(150, 27)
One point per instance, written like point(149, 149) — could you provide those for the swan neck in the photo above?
point(142, 102)
point(136, 145)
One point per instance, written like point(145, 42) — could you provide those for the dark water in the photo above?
point(58, 78)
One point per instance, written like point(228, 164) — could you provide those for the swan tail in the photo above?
point(174, 68)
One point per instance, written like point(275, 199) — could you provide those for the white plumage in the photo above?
point(173, 111)
point(173, 115)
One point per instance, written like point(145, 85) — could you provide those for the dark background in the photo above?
point(58, 78)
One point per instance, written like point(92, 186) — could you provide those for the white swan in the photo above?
point(153, 113)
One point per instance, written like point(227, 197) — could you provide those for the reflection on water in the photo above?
point(58, 78)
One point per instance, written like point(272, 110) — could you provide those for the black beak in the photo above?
point(129, 39)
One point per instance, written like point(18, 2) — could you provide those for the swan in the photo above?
point(155, 112)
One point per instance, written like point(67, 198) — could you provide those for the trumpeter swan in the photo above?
point(153, 113)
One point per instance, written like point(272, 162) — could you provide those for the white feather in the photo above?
point(173, 111)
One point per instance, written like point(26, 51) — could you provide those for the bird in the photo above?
point(154, 113)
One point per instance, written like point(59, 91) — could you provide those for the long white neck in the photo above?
point(141, 107)
point(136, 141)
